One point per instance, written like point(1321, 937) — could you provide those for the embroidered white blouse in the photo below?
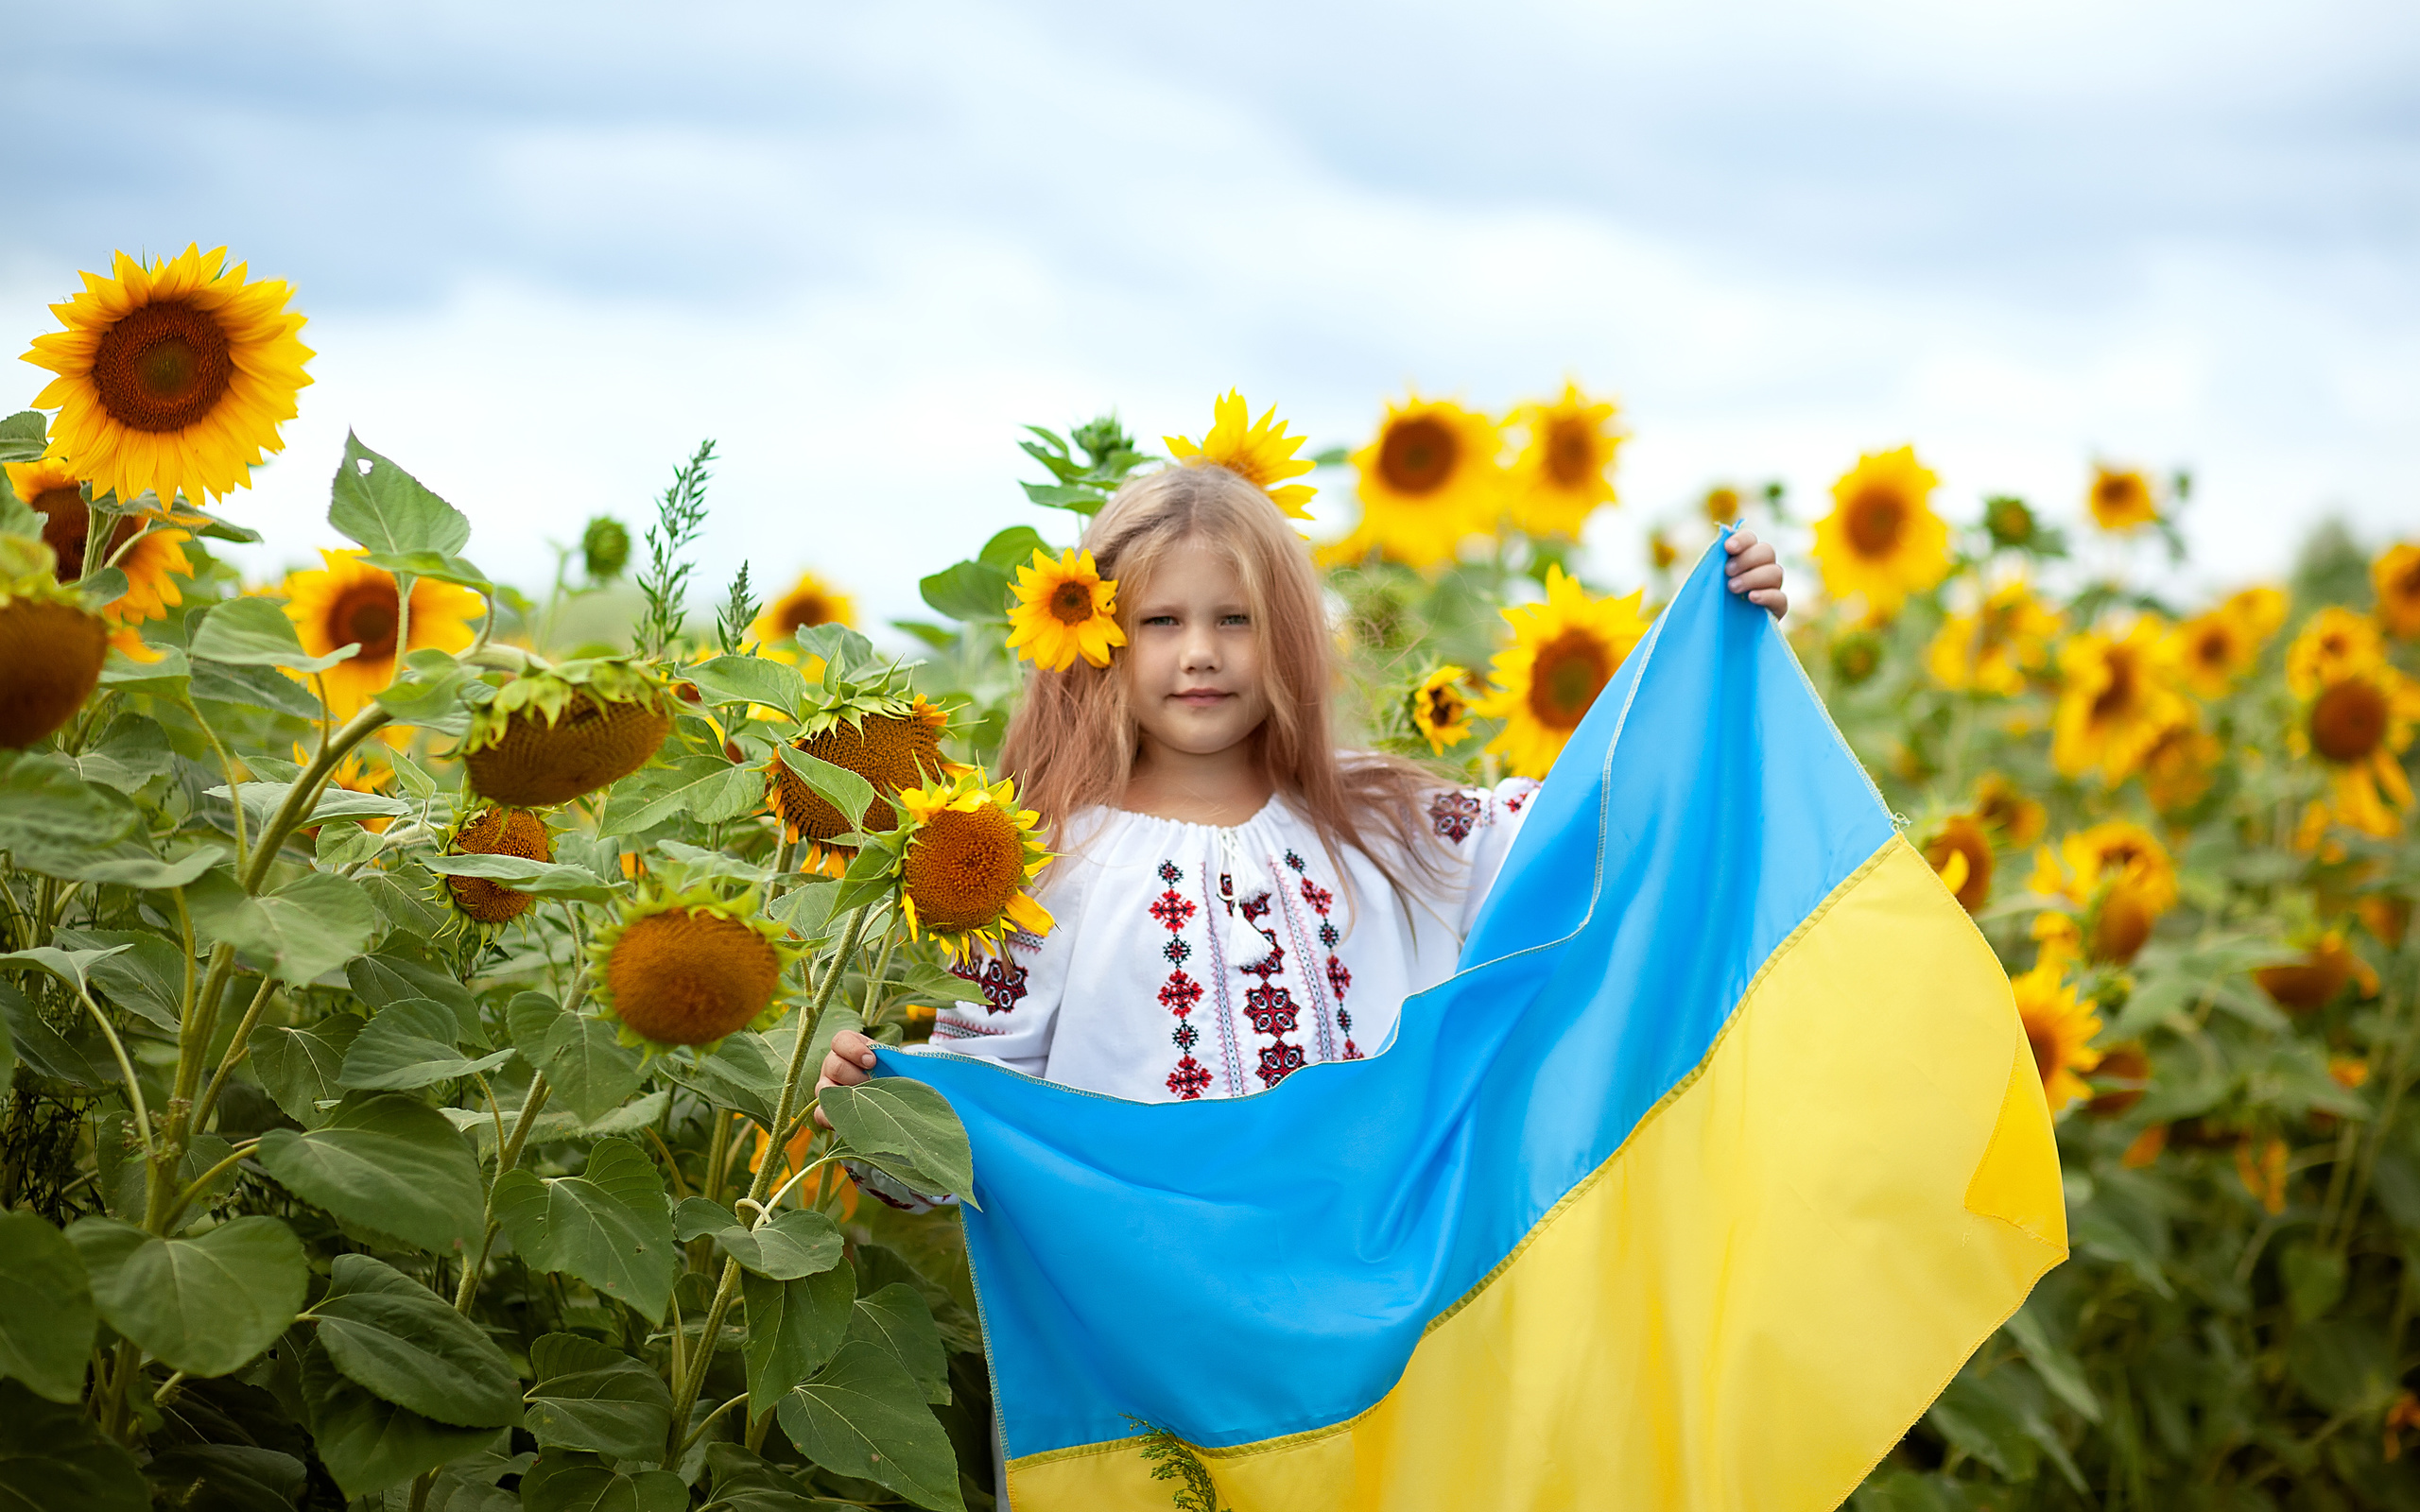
point(1193, 961)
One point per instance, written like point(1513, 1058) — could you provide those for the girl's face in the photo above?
point(1193, 656)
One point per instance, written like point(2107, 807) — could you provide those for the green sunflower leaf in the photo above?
point(905, 1121)
point(592, 1396)
point(410, 1044)
point(255, 632)
point(47, 1329)
point(204, 1305)
point(569, 1481)
point(370, 1444)
point(392, 1335)
point(793, 1328)
point(611, 1225)
point(387, 509)
point(52, 1460)
point(385, 1161)
point(863, 1414)
point(897, 1320)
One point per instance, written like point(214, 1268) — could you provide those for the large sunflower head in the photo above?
point(2114, 698)
point(1882, 542)
point(1995, 648)
point(2397, 576)
point(1065, 609)
point(2121, 498)
point(2359, 722)
point(2212, 651)
point(1960, 850)
point(173, 375)
point(2326, 968)
point(550, 736)
point(1440, 709)
point(1259, 452)
point(2334, 644)
point(1432, 476)
point(495, 830)
point(51, 648)
point(689, 968)
point(1563, 652)
point(811, 601)
point(966, 854)
point(2059, 1028)
point(2001, 807)
point(893, 741)
point(348, 601)
point(1565, 469)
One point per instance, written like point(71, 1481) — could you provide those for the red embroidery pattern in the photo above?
point(1455, 815)
point(1338, 978)
point(1512, 801)
point(1270, 1009)
point(1000, 980)
point(1181, 993)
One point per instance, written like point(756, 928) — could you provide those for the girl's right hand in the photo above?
point(850, 1064)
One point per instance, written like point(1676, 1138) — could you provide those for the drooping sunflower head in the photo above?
point(1432, 476)
point(966, 853)
point(51, 649)
point(1565, 469)
point(2059, 1028)
point(2122, 878)
point(1882, 541)
point(2002, 807)
point(2326, 968)
point(173, 375)
point(2397, 576)
point(811, 601)
point(2334, 644)
point(2115, 698)
point(495, 830)
point(1440, 709)
point(893, 741)
point(1563, 652)
point(348, 602)
point(689, 968)
point(1961, 852)
point(550, 736)
point(1065, 609)
point(2121, 498)
point(1259, 452)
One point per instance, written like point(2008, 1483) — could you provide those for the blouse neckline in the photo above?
point(1272, 810)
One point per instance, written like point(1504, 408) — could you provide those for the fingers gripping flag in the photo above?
point(1696, 1184)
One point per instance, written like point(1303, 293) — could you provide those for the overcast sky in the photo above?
point(545, 248)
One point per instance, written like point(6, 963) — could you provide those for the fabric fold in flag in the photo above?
point(1692, 1188)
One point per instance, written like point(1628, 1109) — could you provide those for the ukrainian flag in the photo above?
point(1692, 1189)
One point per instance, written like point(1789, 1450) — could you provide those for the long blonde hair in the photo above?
point(1072, 741)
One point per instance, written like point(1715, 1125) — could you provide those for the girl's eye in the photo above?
point(1159, 619)
point(1235, 619)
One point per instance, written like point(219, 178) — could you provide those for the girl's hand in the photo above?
point(1754, 570)
point(850, 1064)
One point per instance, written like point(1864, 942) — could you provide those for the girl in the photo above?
point(1235, 899)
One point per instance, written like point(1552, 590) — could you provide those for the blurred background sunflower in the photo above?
point(348, 602)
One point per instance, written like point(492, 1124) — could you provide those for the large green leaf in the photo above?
point(793, 1327)
point(300, 1067)
point(589, 1067)
point(312, 924)
point(836, 785)
point(255, 632)
point(898, 1117)
point(385, 1161)
point(391, 976)
point(749, 680)
point(394, 1336)
point(51, 1460)
point(708, 788)
point(592, 1396)
point(540, 879)
point(897, 1320)
point(84, 1060)
point(24, 437)
point(227, 1477)
point(147, 979)
point(443, 566)
point(609, 1225)
point(47, 1325)
point(569, 1481)
point(744, 1481)
point(968, 590)
point(864, 1416)
point(50, 813)
point(410, 1044)
point(368, 1444)
point(203, 1305)
point(742, 1075)
point(245, 691)
point(127, 864)
point(386, 508)
point(794, 1245)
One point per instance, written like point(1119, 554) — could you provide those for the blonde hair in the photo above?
point(1072, 739)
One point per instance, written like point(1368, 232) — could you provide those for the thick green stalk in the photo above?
point(506, 1159)
point(305, 794)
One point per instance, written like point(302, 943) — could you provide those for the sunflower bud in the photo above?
point(2011, 522)
point(497, 831)
point(604, 548)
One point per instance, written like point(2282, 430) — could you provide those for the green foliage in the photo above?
point(1172, 1459)
point(679, 516)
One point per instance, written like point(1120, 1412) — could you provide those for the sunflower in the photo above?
point(2334, 644)
point(1882, 539)
point(2114, 701)
point(1261, 454)
point(1440, 710)
point(1993, 650)
point(2263, 1174)
point(1430, 476)
point(811, 601)
point(1960, 850)
point(1720, 504)
point(2358, 725)
point(351, 602)
point(2120, 875)
point(173, 376)
point(156, 558)
point(1857, 655)
point(2314, 982)
point(51, 649)
point(495, 831)
point(2060, 1029)
point(1661, 552)
point(1065, 609)
point(689, 968)
point(1999, 807)
point(548, 737)
point(2124, 1073)
point(1563, 470)
point(1563, 652)
point(894, 744)
point(965, 857)
point(2178, 768)
point(2396, 575)
point(2121, 498)
point(2009, 522)
point(2212, 651)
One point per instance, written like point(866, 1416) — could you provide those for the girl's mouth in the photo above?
point(1201, 698)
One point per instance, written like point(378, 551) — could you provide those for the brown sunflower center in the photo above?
point(66, 524)
point(2117, 696)
point(1071, 602)
point(1444, 707)
point(2214, 646)
point(1569, 672)
point(1876, 519)
point(891, 751)
point(2348, 721)
point(1418, 455)
point(2406, 584)
point(163, 366)
point(964, 868)
point(2043, 1042)
point(803, 611)
point(1571, 452)
point(365, 613)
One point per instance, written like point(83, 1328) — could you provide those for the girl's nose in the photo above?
point(1200, 654)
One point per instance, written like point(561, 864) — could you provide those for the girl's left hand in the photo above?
point(1755, 572)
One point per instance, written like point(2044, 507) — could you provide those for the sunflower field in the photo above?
point(412, 989)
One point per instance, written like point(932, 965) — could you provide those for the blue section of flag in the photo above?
point(1243, 1269)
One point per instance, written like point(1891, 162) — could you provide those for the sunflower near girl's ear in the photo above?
point(1065, 609)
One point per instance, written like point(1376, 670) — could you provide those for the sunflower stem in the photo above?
point(227, 766)
point(305, 794)
point(506, 1158)
point(238, 1046)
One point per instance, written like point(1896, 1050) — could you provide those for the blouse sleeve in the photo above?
point(1480, 825)
point(1011, 1006)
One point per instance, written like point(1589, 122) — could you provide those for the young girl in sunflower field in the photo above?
point(1233, 898)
